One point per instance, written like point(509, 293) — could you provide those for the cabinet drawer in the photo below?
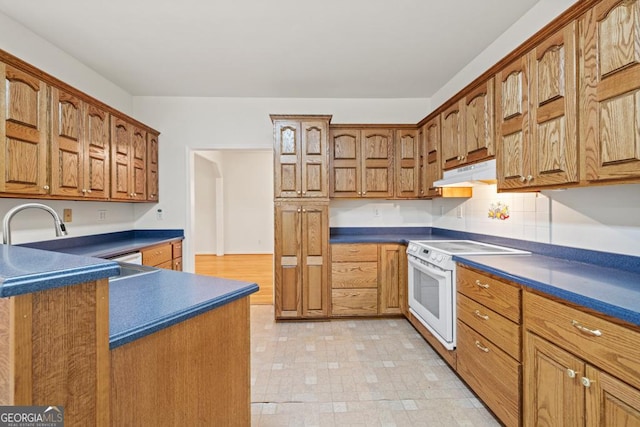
point(354, 275)
point(498, 329)
point(157, 255)
point(354, 302)
point(354, 252)
point(491, 373)
point(616, 350)
point(176, 248)
point(497, 295)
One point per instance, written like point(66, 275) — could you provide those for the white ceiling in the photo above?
point(272, 48)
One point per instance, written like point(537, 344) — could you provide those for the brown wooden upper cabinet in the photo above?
point(301, 156)
point(467, 128)
point(128, 161)
point(152, 167)
point(407, 164)
point(610, 90)
point(79, 148)
point(537, 116)
point(23, 135)
point(361, 162)
point(431, 164)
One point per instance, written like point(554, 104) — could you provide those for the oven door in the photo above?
point(431, 300)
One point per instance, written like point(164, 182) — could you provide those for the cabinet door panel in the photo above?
point(23, 138)
point(377, 163)
point(121, 133)
point(345, 167)
point(453, 146)
point(512, 134)
point(610, 67)
point(315, 249)
point(552, 396)
point(288, 252)
point(314, 163)
point(610, 402)
point(67, 144)
point(287, 153)
point(554, 144)
point(139, 164)
point(392, 282)
point(407, 164)
point(433, 165)
point(479, 120)
point(152, 167)
point(96, 171)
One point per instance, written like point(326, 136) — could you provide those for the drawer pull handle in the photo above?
point(571, 373)
point(481, 347)
point(482, 285)
point(480, 315)
point(578, 326)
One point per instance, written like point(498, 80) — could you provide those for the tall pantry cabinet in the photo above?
point(301, 237)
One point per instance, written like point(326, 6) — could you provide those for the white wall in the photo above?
point(206, 173)
point(538, 16)
point(26, 45)
point(379, 213)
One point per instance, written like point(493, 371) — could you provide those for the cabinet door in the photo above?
point(552, 391)
point(139, 164)
point(97, 166)
point(345, 170)
point(23, 137)
point(393, 279)
point(287, 155)
point(287, 258)
point(315, 260)
point(314, 161)
point(377, 163)
point(433, 165)
point(554, 139)
point(67, 144)
point(609, 401)
point(152, 167)
point(610, 88)
point(407, 164)
point(121, 147)
point(453, 146)
point(512, 118)
point(478, 123)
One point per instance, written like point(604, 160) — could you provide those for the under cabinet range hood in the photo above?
point(468, 176)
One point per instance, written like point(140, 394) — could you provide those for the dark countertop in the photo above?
point(605, 282)
point(26, 270)
point(142, 305)
point(139, 305)
point(109, 245)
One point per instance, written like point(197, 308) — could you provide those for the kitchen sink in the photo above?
point(130, 270)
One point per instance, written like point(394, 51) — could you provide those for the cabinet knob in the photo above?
point(359, 193)
point(522, 178)
point(84, 190)
point(89, 191)
point(480, 315)
point(299, 210)
point(46, 187)
point(529, 178)
point(298, 191)
point(304, 210)
point(571, 373)
point(304, 192)
point(588, 331)
point(586, 381)
point(364, 192)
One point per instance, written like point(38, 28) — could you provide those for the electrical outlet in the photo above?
point(376, 212)
point(159, 214)
point(66, 213)
point(102, 215)
point(459, 211)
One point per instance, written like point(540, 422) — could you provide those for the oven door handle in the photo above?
point(426, 269)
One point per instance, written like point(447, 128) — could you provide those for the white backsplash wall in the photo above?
point(34, 225)
point(598, 218)
point(380, 213)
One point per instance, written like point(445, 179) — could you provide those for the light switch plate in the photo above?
point(67, 215)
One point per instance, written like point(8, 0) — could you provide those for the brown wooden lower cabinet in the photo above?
point(579, 369)
point(166, 255)
point(193, 373)
point(368, 279)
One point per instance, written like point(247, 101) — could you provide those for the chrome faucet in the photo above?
point(61, 230)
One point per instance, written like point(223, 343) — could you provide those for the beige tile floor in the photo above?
point(353, 373)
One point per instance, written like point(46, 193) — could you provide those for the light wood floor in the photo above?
point(248, 268)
